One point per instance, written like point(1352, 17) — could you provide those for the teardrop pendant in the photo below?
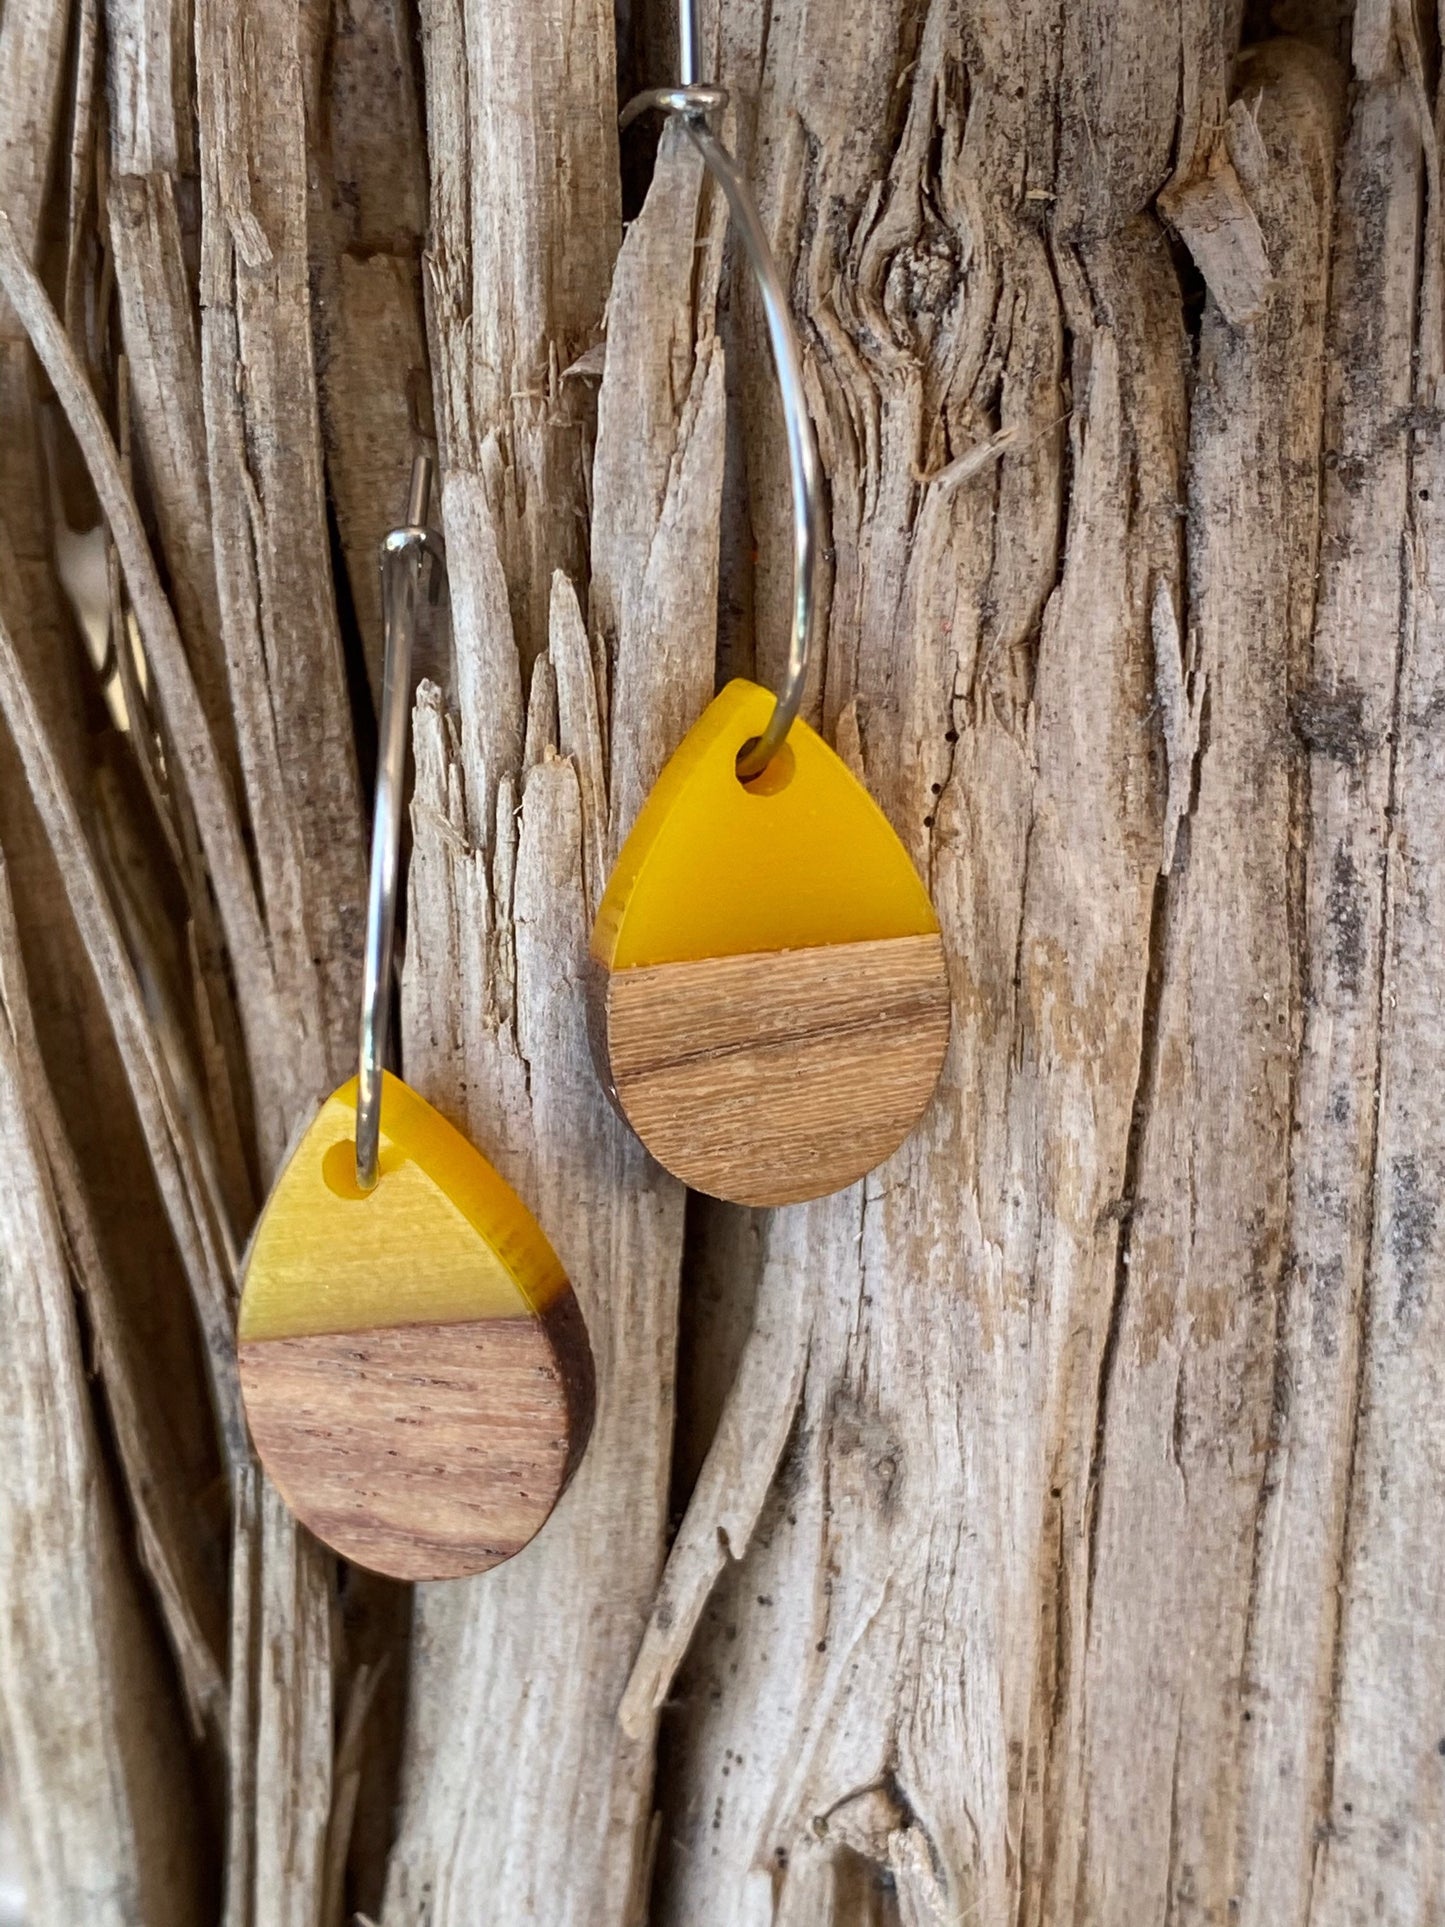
point(770, 1004)
point(415, 1369)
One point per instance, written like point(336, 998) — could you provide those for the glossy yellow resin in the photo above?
point(714, 868)
point(442, 1237)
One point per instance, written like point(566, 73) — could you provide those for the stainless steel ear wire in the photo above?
point(405, 554)
point(406, 551)
point(692, 101)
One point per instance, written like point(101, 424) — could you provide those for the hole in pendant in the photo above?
point(338, 1170)
point(776, 777)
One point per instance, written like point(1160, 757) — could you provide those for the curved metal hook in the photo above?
point(692, 101)
point(404, 554)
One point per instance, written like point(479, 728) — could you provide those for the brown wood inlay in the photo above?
point(423, 1451)
point(774, 1077)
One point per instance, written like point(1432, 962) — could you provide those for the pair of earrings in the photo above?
point(769, 1011)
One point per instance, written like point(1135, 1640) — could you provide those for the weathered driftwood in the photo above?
point(93, 1732)
point(497, 1031)
point(95, 1757)
point(1042, 1529)
point(367, 231)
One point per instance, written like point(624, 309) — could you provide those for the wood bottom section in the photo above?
point(424, 1451)
point(776, 1077)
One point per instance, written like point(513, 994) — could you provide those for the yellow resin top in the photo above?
point(801, 857)
point(441, 1239)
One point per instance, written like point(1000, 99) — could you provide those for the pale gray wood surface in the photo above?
point(1044, 1530)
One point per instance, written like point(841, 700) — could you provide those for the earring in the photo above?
point(415, 1369)
point(770, 1003)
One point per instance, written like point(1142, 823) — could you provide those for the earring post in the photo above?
point(403, 554)
point(692, 100)
point(687, 42)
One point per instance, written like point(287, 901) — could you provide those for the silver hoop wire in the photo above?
point(692, 101)
point(404, 555)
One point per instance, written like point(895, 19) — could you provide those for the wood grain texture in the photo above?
point(297, 755)
point(96, 1783)
point(1209, 1236)
point(423, 1451)
point(902, 1474)
point(506, 872)
point(1065, 1546)
point(1343, 1820)
point(368, 208)
point(271, 547)
point(779, 1076)
point(417, 1376)
point(519, 274)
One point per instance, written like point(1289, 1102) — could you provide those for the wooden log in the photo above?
point(1041, 1529)
point(149, 220)
point(273, 555)
point(98, 1762)
point(495, 1033)
point(96, 1758)
point(298, 760)
point(1305, 1854)
point(895, 1697)
point(368, 224)
point(1166, 1709)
